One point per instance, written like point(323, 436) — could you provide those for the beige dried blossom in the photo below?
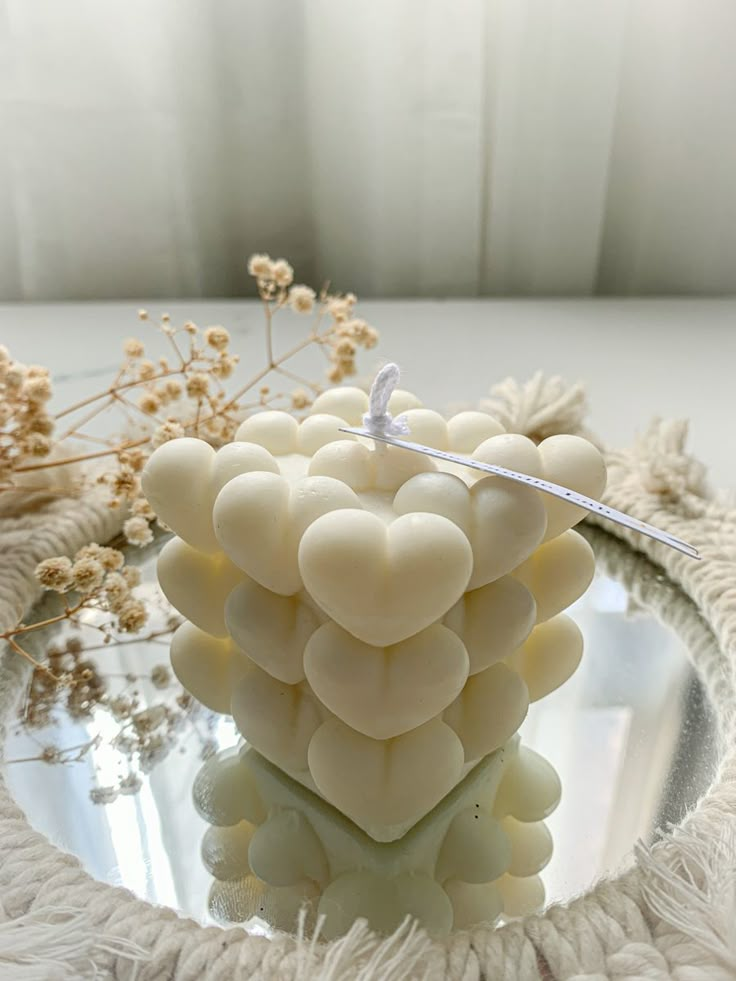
point(217, 337)
point(111, 559)
point(37, 445)
point(300, 399)
point(149, 403)
point(282, 272)
point(133, 348)
point(169, 430)
point(146, 370)
point(37, 388)
point(260, 266)
point(190, 327)
point(55, 573)
point(143, 314)
point(132, 575)
point(125, 484)
point(345, 349)
point(40, 423)
point(135, 459)
point(142, 508)
point(14, 377)
point(132, 616)
point(224, 366)
point(174, 389)
point(301, 299)
point(91, 551)
point(117, 590)
point(137, 531)
point(88, 575)
point(198, 385)
point(340, 308)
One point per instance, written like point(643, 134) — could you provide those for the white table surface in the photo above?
point(638, 358)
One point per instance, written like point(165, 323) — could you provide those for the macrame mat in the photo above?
point(671, 915)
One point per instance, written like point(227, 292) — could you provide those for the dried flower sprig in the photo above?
point(158, 398)
point(165, 397)
point(96, 579)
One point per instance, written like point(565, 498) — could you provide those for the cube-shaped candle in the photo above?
point(376, 621)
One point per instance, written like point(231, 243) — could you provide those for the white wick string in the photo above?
point(378, 420)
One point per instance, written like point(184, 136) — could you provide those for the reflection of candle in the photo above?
point(273, 847)
point(369, 618)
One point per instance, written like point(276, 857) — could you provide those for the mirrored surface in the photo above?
point(630, 736)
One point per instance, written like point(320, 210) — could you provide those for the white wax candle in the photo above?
point(368, 614)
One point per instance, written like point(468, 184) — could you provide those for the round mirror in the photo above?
point(125, 775)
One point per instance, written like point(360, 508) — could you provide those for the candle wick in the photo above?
point(378, 420)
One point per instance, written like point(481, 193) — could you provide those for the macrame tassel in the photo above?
point(664, 466)
point(361, 956)
point(58, 944)
point(540, 407)
point(696, 893)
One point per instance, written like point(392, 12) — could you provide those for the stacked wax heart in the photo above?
point(375, 624)
point(275, 848)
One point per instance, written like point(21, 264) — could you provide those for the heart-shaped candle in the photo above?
point(375, 620)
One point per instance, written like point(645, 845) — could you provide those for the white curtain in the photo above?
point(398, 147)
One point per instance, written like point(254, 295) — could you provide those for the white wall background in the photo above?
point(398, 147)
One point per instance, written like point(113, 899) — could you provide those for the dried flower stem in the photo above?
point(114, 451)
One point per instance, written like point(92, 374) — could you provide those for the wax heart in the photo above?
point(549, 657)
point(384, 784)
point(276, 719)
point(285, 850)
point(557, 573)
point(225, 791)
point(488, 710)
point(427, 427)
point(224, 851)
point(509, 450)
point(197, 584)
point(182, 478)
point(467, 430)
point(531, 846)
point(473, 905)
point(348, 403)
point(521, 897)
point(463, 433)
point(492, 621)
point(260, 519)
point(204, 665)
point(363, 468)
point(530, 788)
point(351, 403)
point(281, 434)
point(504, 522)
point(384, 902)
point(285, 908)
point(383, 584)
point(274, 430)
point(475, 849)
point(273, 630)
point(384, 691)
point(576, 464)
point(320, 430)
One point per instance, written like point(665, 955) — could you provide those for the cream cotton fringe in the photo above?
point(671, 916)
